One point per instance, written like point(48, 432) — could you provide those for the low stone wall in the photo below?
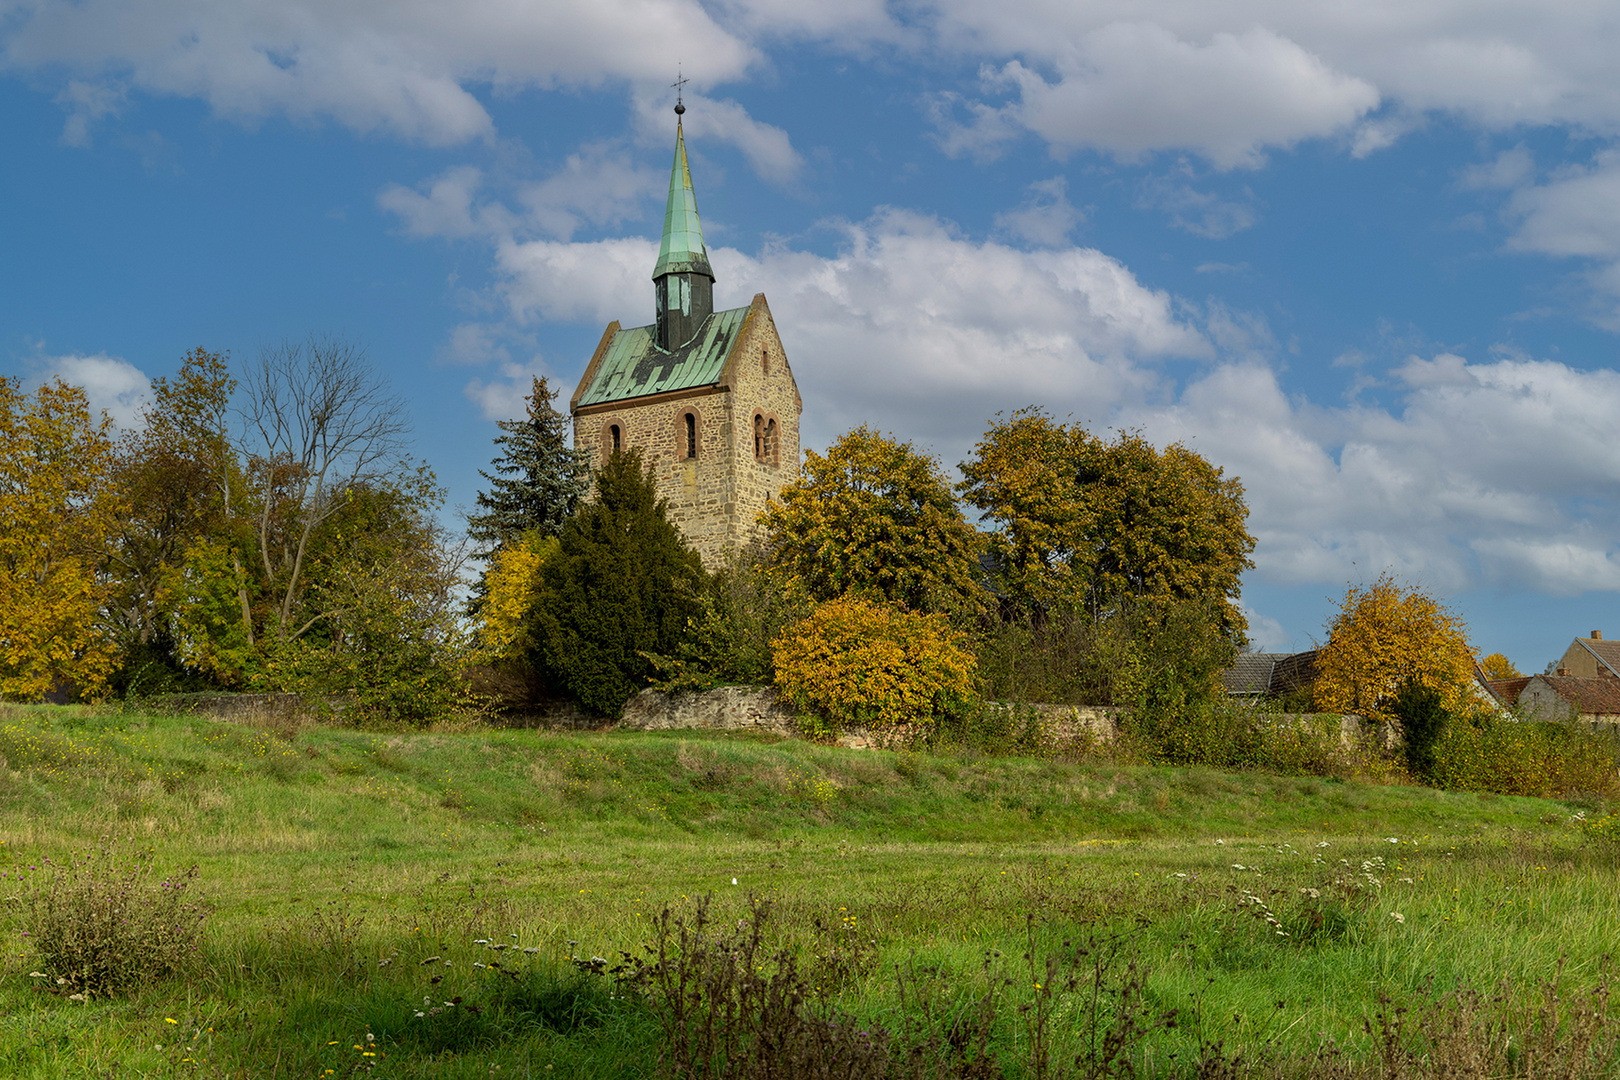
point(726, 708)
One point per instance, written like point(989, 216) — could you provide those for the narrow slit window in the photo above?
point(691, 435)
point(616, 437)
point(759, 437)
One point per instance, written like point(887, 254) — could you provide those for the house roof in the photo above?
point(1270, 673)
point(634, 366)
point(1251, 673)
point(1507, 690)
point(1607, 652)
point(1592, 697)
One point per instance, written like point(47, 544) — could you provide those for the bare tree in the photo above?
point(324, 423)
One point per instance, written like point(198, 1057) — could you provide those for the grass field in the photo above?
point(1272, 914)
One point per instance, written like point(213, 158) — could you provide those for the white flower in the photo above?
point(1392, 839)
point(1397, 916)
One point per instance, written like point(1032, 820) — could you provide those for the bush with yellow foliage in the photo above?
point(860, 663)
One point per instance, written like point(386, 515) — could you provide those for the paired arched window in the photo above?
point(766, 439)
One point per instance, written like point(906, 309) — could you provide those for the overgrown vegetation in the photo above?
point(449, 904)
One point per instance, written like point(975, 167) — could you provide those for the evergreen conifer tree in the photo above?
point(623, 584)
point(538, 480)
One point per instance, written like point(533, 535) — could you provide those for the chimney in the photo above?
point(1597, 635)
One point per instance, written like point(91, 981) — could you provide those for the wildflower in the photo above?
point(1397, 916)
point(1392, 840)
point(170, 1020)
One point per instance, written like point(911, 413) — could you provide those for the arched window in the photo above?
point(688, 427)
point(612, 439)
point(765, 439)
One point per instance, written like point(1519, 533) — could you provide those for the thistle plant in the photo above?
point(101, 924)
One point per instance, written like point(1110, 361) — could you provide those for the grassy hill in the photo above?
point(1271, 913)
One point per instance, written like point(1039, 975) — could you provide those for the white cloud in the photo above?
point(85, 104)
point(1573, 213)
point(1132, 88)
point(400, 66)
point(505, 397)
point(768, 149)
point(1201, 213)
point(111, 383)
point(444, 207)
point(1045, 217)
point(598, 185)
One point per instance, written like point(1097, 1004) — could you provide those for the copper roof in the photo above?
point(634, 366)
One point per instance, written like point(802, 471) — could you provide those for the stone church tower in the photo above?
point(707, 396)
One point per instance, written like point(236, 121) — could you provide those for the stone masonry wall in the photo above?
point(716, 498)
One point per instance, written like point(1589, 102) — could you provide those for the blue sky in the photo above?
point(1366, 257)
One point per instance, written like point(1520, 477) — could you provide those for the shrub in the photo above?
point(1423, 718)
point(1519, 757)
point(858, 663)
point(102, 926)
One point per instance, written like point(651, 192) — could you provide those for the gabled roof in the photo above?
point(1606, 652)
point(1250, 673)
point(1507, 690)
point(1270, 673)
point(632, 365)
point(1592, 697)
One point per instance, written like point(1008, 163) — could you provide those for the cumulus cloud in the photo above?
point(1479, 472)
point(769, 151)
point(111, 384)
point(400, 66)
point(1133, 88)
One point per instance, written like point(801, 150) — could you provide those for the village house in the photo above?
point(706, 396)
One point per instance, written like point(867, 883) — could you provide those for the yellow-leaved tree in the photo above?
point(1384, 636)
point(875, 518)
point(56, 512)
point(510, 584)
point(1498, 666)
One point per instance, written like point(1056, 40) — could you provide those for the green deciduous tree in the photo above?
point(538, 479)
point(1085, 522)
point(1385, 636)
point(57, 511)
point(875, 518)
point(178, 471)
point(622, 586)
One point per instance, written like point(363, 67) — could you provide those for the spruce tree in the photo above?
point(622, 585)
point(538, 480)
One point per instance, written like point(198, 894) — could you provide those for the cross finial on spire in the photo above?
point(680, 86)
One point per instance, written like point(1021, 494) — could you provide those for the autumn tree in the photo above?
point(1079, 521)
point(875, 518)
point(1385, 636)
point(383, 630)
point(1498, 666)
point(322, 423)
point(538, 479)
point(622, 587)
point(57, 510)
point(178, 471)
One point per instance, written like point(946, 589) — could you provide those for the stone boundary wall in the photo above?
point(729, 708)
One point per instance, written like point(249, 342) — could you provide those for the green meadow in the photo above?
point(429, 904)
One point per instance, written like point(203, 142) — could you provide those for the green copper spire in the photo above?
point(682, 250)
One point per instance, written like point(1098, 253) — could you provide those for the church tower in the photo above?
point(707, 396)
